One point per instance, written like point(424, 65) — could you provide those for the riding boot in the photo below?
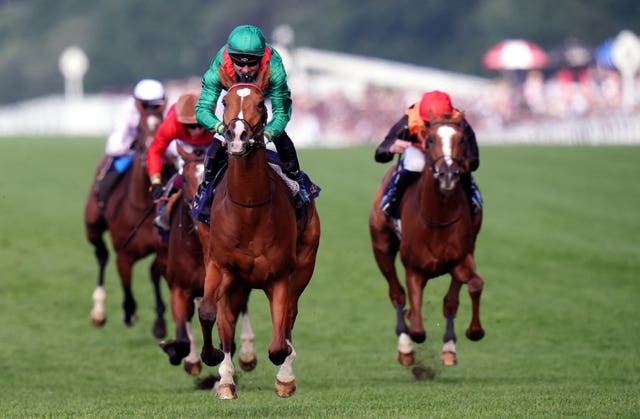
point(106, 185)
point(214, 160)
point(473, 193)
point(163, 218)
point(289, 156)
point(400, 180)
point(210, 166)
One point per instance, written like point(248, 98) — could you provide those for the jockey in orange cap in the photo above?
point(400, 140)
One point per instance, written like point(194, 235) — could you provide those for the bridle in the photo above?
point(252, 137)
point(433, 161)
point(436, 173)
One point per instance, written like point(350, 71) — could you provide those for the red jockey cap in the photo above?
point(436, 102)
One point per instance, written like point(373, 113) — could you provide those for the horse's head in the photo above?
point(245, 114)
point(444, 148)
point(151, 117)
point(192, 167)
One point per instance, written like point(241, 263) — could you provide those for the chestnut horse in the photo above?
point(128, 205)
point(254, 241)
point(438, 237)
point(185, 271)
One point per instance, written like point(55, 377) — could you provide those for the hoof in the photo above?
point(129, 320)
point(418, 337)
point(448, 359)
point(98, 322)
point(226, 391)
point(285, 389)
point(177, 351)
point(406, 359)
point(248, 365)
point(159, 329)
point(475, 335)
point(193, 368)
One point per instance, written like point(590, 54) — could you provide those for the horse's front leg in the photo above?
point(207, 312)
point(159, 327)
point(278, 295)
point(227, 316)
point(466, 271)
point(182, 310)
point(415, 287)
point(125, 265)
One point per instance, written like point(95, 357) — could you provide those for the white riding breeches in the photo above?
point(413, 160)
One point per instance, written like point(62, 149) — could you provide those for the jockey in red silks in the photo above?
point(405, 137)
point(179, 125)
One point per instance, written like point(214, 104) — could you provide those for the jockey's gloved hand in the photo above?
point(156, 191)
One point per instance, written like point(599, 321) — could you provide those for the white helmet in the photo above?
point(150, 91)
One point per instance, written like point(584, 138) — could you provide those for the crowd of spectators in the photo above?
point(513, 98)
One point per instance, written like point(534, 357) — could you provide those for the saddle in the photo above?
point(201, 208)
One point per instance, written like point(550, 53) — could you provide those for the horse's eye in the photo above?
point(224, 102)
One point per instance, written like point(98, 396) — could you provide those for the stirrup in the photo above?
point(161, 222)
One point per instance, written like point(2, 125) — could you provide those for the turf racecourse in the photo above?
point(559, 252)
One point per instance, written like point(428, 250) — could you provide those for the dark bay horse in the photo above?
point(185, 271)
point(254, 241)
point(128, 205)
point(438, 237)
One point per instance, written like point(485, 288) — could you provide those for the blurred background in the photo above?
point(552, 71)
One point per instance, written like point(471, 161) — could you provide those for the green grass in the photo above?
point(559, 252)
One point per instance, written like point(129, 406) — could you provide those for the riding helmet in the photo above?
point(246, 40)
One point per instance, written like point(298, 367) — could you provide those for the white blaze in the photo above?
point(446, 132)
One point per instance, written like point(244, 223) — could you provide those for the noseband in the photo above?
point(252, 135)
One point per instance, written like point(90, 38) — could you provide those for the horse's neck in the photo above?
point(248, 180)
point(139, 185)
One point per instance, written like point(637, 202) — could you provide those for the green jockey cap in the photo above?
point(246, 40)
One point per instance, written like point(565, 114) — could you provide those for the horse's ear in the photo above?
point(225, 79)
point(457, 115)
point(263, 76)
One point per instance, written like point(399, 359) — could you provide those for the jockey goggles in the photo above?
point(242, 60)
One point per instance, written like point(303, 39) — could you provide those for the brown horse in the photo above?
point(254, 241)
point(185, 271)
point(129, 205)
point(438, 237)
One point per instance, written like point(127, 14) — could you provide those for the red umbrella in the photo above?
point(515, 54)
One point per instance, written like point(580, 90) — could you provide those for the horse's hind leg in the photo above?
point(247, 357)
point(450, 308)
point(98, 312)
point(94, 229)
point(159, 327)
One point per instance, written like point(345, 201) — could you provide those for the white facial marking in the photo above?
point(446, 132)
